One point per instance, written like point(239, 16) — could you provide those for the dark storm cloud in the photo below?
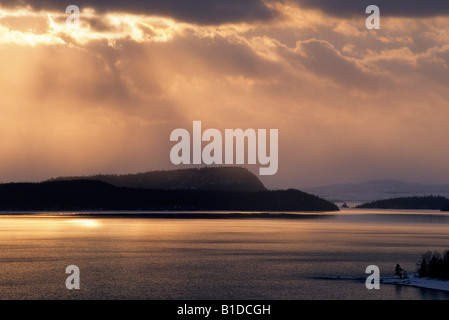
point(194, 11)
point(398, 8)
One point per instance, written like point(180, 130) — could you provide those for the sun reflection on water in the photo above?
point(88, 223)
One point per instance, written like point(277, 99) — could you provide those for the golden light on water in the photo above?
point(87, 223)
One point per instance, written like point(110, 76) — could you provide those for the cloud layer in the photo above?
point(350, 104)
point(396, 8)
point(192, 11)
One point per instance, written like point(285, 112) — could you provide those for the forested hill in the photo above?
point(213, 178)
point(409, 203)
point(84, 195)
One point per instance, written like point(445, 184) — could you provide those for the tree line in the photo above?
point(434, 265)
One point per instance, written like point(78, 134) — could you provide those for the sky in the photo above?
point(350, 104)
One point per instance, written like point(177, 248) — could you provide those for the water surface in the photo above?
point(144, 258)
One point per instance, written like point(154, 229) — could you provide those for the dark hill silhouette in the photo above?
point(409, 203)
point(82, 195)
point(213, 178)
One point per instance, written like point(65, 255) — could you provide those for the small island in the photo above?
point(409, 203)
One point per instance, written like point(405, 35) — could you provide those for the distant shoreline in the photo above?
point(213, 215)
point(84, 195)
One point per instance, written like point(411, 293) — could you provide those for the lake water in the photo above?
point(134, 258)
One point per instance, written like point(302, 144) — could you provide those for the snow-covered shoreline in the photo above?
point(409, 280)
point(420, 282)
